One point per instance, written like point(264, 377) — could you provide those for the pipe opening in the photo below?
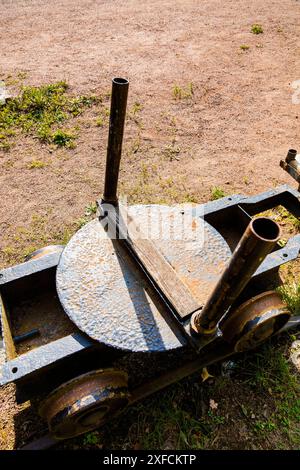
point(292, 152)
point(120, 81)
point(266, 228)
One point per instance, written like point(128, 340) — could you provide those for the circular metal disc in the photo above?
point(104, 293)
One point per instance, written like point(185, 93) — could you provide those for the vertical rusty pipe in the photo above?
point(115, 138)
point(257, 242)
point(291, 155)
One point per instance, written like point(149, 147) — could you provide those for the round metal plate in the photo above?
point(105, 295)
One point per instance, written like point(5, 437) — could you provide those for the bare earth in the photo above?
point(230, 133)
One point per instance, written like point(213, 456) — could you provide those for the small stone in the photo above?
point(212, 404)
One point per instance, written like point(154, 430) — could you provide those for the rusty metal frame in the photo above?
point(49, 361)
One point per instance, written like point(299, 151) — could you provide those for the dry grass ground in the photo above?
point(205, 116)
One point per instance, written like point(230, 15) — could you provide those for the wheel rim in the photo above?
point(255, 320)
point(85, 403)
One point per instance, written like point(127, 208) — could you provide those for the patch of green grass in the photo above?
point(40, 112)
point(290, 294)
point(265, 426)
point(217, 193)
point(268, 373)
point(282, 242)
point(36, 164)
point(38, 233)
point(5, 145)
point(22, 75)
point(189, 198)
point(91, 439)
point(100, 121)
point(286, 216)
point(183, 93)
point(257, 29)
point(167, 424)
point(81, 222)
point(63, 138)
point(136, 108)
point(268, 370)
point(244, 47)
point(281, 215)
point(90, 209)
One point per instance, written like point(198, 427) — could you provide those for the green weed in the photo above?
point(217, 193)
point(40, 112)
point(183, 93)
point(290, 294)
point(257, 29)
point(36, 164)
point(90, 209)
point(63, 138)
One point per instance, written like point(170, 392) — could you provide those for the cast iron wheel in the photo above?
point(255, 321)
point(85, 403)
point(46, 250)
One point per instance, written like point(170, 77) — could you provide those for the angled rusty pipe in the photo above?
point(257, 242)
point(115, 138)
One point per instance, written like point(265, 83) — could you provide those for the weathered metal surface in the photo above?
point(115, 138)
point(43, 357)
point(46, 250)
point(279, 257)
point(255, 320)
point(34, 266)
point(50, 360)
point(105, 295)
point(293, 323)
point(85, 403)
point(258, 240)
point(160, 272)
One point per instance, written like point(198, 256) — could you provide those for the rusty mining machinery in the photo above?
point(115, 316)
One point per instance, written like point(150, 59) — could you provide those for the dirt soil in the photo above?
point(230, 132)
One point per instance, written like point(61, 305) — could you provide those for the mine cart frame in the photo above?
point(45, 367)
point(75, 371)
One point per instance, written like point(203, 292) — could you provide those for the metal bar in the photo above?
point(294, 322)
point(9, 346)
point(20, 271)
point(115, 138)
point(282, 195)
point(42, 443)
point(218, 351)
point(259, 239)
point(42, 357)
point(26, 336)
point(279, 257)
